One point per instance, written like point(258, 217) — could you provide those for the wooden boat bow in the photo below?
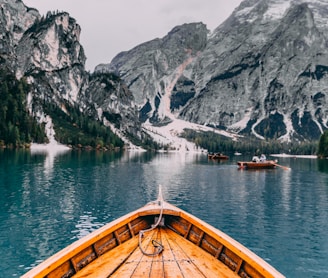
point(190, 248)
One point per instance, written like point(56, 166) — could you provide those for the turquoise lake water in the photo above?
point(50, 200)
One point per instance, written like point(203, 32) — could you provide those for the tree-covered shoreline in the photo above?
point(17, 127)
point(214, 142)
point(323, 145)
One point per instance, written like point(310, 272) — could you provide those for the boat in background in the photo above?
point(217, 156)
point(259, 163)
point(157, 240)
point(268, 164)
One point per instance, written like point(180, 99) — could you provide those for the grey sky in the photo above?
point(109, 27)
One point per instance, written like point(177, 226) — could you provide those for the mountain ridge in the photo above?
point(262, 73)
point(259, 57)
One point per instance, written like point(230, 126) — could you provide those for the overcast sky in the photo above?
point(109, 27)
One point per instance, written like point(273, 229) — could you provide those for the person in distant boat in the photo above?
point(263, 157)
point(255, 158)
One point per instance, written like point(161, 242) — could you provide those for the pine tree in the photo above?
point(323, 145)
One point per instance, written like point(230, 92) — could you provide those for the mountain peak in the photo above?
point(274, 10)
point(262, 73)
point(253, 76)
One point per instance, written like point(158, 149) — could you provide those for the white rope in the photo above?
point(155, 243)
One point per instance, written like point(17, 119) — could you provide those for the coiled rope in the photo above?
point(158, 246)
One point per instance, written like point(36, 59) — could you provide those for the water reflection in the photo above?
point(322, 165)
point(50, 151)
point(46, 206)
point(86, 225)
point(286, 188)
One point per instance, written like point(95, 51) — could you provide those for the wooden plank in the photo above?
point(157, 266)
point(195, 235)
point(188, 230)
point(131, 230)
point(180, 225)
point(107, 263)
point(127, 269)
point(83, 258)
point(218, 252)
point(105, 244)
point(170, 263)
point(117, 237)
point(137, 264)
point(200, 238)
point(184, 261)
point(206, 265)
point(240, 262)
point(145, 264)
point(211, 245)
point(64, 269)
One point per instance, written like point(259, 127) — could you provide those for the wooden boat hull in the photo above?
point(217, 156)
point(270, 164)
point(192, 248)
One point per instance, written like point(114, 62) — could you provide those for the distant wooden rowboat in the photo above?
point(268, 164)
point(177, 245)
point(217, 156)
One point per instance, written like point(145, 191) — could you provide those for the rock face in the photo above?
point(263, 72)
point(15, 19)
point(47, 52)
point(114, 104)
point(152, 70)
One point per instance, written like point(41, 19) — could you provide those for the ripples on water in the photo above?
point(51, 201)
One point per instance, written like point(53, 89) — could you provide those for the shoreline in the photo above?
point(294, 156)
point(51, 147)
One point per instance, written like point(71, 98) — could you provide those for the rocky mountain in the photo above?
point(47, 52)
point(262, 73)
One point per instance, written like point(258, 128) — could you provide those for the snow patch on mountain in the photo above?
point(277, 10)
point(53, 145)
point(290, 130)
point(164, 108)
point(242, 123)
point(170, 134)
point(245, 11)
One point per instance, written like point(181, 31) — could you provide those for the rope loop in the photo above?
point(158, 246)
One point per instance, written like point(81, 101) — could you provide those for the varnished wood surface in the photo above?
point(180, 258)
point(269, 164)
point(192, 248)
